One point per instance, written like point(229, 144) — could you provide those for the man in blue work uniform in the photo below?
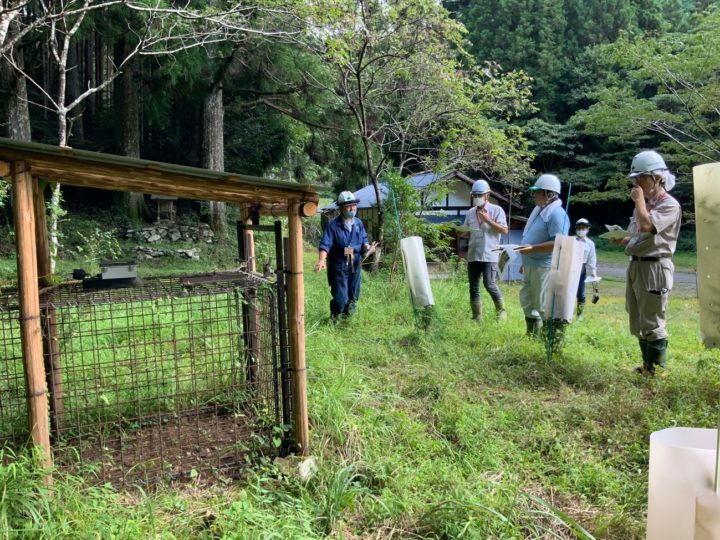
point(343, 243)
point(547, 220)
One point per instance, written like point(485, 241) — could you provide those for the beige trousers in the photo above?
point(647, 289)
point(532, 293)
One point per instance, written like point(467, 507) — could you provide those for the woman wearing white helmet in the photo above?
point(486, 222)
point(547, 220)
point(343, 242)
point(582, 227)
point(654, 228)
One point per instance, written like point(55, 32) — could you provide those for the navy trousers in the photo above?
point(344, 287)
point(581, 285)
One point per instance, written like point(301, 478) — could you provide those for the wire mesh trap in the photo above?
point(162, 380)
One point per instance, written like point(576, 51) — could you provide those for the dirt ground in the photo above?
point(168, 449)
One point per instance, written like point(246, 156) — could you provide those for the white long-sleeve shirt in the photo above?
point(590, 257)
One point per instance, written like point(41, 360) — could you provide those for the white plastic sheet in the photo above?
point(566, 266)
point(682, 467)
point(707, 517)
point(707, 229)
point(416, 271)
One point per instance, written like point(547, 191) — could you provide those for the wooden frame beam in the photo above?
point(29, 300)
point(296, 328)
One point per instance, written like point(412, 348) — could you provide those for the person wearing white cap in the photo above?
point(486, 222)
point(654, 229)
point(582, 227)
point(342, 245)
point(547, 220)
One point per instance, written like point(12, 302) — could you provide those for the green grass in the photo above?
point(465, 431)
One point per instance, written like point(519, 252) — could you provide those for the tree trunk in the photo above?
point(130, 118)
point(13, 94)
point(213, 152)
point(74, 88)
point(378, 197)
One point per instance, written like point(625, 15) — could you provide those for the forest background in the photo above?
point(342, 94)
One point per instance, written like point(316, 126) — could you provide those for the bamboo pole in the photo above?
point(48, 317)
point(30, 334)
point(296, 324)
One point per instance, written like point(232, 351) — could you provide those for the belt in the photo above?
point(651, 259)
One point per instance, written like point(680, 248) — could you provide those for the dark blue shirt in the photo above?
point(337, 237)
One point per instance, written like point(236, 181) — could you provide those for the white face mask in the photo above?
point(479, 201)
point(582, 233)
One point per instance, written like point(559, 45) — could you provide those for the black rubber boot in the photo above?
point(657, 354)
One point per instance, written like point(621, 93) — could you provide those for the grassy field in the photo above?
point(465, 431)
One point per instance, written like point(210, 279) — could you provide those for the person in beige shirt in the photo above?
point(654, 229)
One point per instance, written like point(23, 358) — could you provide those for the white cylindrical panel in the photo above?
point(706, 182)
point(566, 266)
point(416, 271)
point(682, 466)
point(707, 517)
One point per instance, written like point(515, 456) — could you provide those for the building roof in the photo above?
point(420, 181)
point(365, 195)
point(120, 173)
point(424, 179)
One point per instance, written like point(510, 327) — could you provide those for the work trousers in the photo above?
point(581, 285)
point(647, 289)
point(344, 287)
point(534, 288)
point(488, 271)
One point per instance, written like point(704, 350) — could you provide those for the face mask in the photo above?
point(348, 214)
point(479, 201)
point(581, 234)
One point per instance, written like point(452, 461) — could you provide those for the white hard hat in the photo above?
point(647, 161)
point(548, 182)
point(582, 221)
point(481, 187)
point(345, 198)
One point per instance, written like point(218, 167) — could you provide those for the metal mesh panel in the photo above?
point(173, 376)
point(13, 405)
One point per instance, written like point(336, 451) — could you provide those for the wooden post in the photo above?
point(30, 334)
point(48, 317)
point(251, 321)
point(296, 327)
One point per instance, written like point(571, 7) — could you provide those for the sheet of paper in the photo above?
point(615, 232)
point(593, 279)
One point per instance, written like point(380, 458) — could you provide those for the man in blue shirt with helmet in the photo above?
point(547, 220)
point(342, 245)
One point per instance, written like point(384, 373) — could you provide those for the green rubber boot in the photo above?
point(534, 327)
point(580, 310)
point(500, 312)
point(477, 310)
point(657, 354)
point(645, 369)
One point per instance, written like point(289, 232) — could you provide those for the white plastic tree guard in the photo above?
point(416, 271)
point(566, 266)
point(707, 229)
point(681, 500)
